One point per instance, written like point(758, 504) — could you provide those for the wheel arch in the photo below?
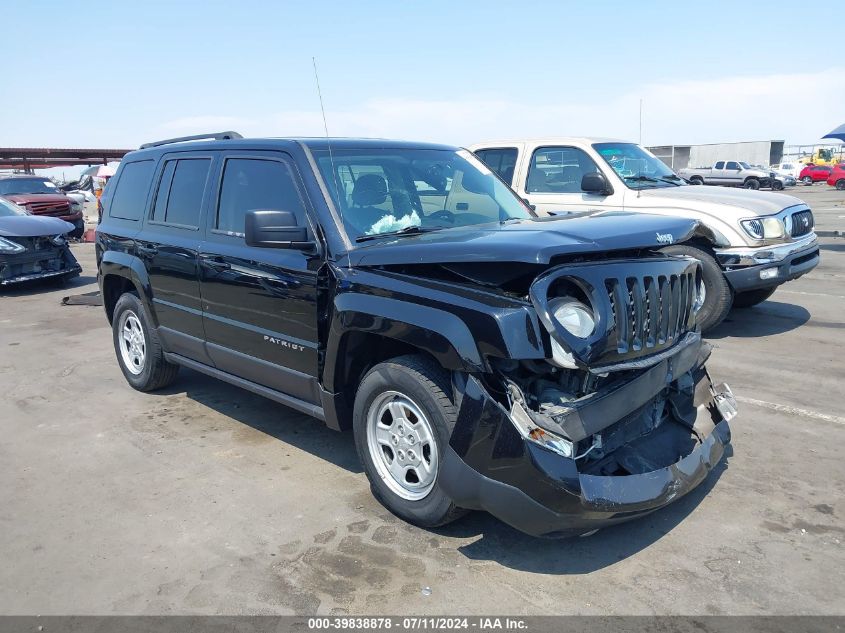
point(368, 330)
point(120, 273)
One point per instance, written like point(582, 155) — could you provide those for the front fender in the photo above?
point(442, 334)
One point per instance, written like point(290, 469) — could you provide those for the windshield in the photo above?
point(8, 208)
point(381, 191)
point(637, 167)
point(11, 186)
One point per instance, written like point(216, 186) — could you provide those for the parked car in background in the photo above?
point(787, 169)
point(749, 242)
point(780, 181)
point(837, 177)
point(483, 358)
point(728, 173)
point(40, 196)
point(33, 247)
point(814, 173)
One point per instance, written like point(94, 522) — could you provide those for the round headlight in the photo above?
point(574, 317)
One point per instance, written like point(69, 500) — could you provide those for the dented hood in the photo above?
point(533, 241)
point(32, 226)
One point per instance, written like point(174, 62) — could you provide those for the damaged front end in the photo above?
point(621, 418)
point(28, 258)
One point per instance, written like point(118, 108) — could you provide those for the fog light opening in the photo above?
point(768, 273)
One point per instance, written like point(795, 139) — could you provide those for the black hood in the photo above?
point(533, 241)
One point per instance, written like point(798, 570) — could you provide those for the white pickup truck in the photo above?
point(731, 173)
point(749, 242)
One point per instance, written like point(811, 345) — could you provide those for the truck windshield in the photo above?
point(12, 186)
point(385, 191)
point(636, 167)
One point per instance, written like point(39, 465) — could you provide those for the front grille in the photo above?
point(650, 311)
point(49, 208)
point(802, 223)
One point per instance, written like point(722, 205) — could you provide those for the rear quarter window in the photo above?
point(130, 193)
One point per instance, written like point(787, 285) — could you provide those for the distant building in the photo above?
point(752, 152)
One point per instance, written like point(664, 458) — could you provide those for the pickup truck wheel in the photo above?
point(696, 180)
point(807, 180)
point(138, 347)
point(402, 420)
point(751, 298)
point(718, 296)
point(751, 183)
point(840, 184)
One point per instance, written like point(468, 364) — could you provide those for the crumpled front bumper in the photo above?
point(490, 466)
point(35, 265)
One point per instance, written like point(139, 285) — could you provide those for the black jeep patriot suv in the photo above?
point(547, 370)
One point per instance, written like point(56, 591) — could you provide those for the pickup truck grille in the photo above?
point(49, 208)
point(802, 223)
point(650, 311)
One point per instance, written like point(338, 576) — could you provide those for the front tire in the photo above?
point(718, 296)
point(751, 298)
point(402, 420)
point(840, 184)
point(777, 185)
point(807, 180)
point(751, 183)
point(138, 347)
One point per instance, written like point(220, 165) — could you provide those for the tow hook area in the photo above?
point(725, 401)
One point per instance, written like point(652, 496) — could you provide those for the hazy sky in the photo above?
point(116, 74)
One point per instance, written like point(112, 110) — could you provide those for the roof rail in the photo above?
point(217, 136)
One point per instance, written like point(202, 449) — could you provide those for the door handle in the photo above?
point(216, 263)
point(147, 251)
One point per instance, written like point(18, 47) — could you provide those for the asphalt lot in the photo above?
point(207, 499)
point(827, 203)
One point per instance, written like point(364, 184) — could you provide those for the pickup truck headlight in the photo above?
point(577, 319)
point(8, 246)
point(763, 228)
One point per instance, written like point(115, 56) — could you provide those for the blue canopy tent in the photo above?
point(838, 133)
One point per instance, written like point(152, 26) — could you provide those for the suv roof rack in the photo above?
point(217, 136)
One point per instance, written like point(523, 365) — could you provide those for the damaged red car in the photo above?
point(40, 196)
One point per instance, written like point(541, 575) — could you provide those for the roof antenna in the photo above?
point(329, 143)
point(640, 186)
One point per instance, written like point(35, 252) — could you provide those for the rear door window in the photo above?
point(719, 165)
point(180, 192)
point(130, 195)
point(502, 160)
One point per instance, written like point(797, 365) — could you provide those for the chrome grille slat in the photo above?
point(802, 223)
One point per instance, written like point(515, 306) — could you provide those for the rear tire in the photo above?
point(402, 421)
point(718, 295)
point(696, 180)
point(751, 298)
point(751, 183)
point(777, 185)
point(138, 347)
point(840, 184)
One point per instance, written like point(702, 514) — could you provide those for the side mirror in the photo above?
point(528, 204)
point(274, 229)
point(595, 182)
